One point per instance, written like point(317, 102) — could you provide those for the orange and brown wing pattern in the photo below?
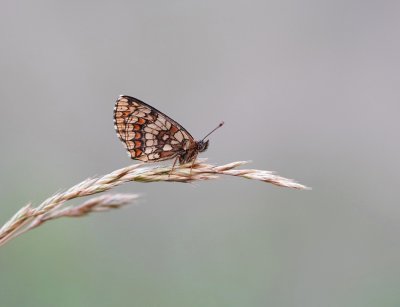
point(148, 134)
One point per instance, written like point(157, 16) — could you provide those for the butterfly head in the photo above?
point(202, 145)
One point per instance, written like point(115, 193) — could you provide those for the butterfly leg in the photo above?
point(194, 160)
point(173, 166)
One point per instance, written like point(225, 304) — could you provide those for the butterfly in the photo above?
point(151, 136)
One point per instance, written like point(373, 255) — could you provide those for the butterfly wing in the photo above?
point(148, 134)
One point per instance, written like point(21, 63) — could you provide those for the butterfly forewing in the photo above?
point(148, 134)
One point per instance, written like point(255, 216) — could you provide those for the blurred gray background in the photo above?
point(309, 89)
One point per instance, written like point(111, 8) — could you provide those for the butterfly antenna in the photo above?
point(219, 126)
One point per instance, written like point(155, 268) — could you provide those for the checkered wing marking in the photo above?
point(148, 134)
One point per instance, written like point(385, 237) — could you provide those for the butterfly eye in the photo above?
point(202, 146)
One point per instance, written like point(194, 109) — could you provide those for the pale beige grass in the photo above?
point(29, 217)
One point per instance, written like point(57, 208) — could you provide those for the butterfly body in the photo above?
point(151, 136)
point(190, 152)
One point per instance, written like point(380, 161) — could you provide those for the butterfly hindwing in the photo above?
point(148, 134)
